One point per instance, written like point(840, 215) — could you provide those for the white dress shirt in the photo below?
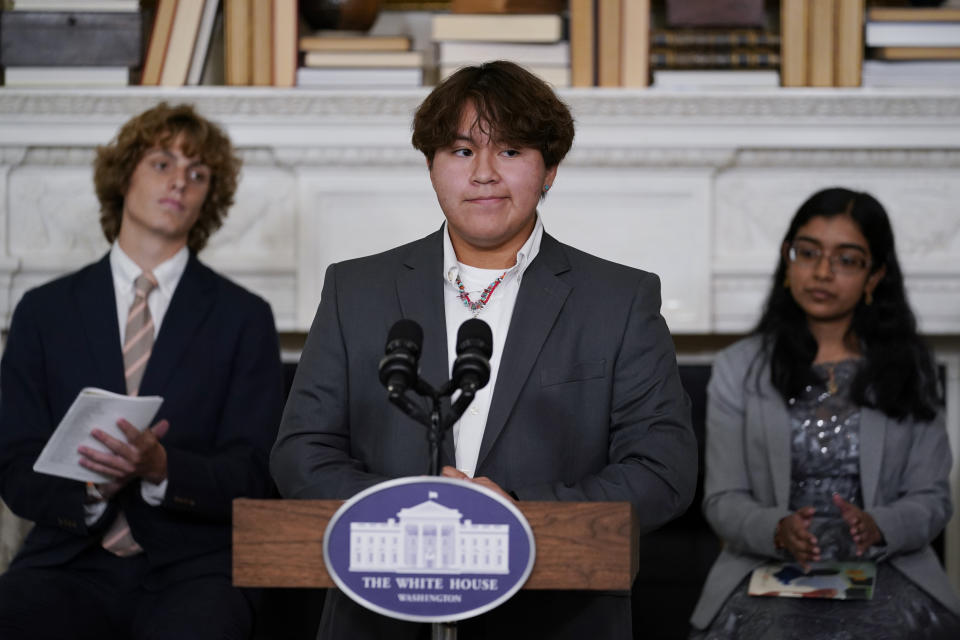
point(125, 271)
point(468, 430)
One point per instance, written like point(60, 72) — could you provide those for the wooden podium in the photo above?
point(579, 545)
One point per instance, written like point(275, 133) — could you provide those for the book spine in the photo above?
point(582, 43)
point(159, 40)
point(794, 18)
point(915, 53)
point(914, 14)
point(262, 37)
point(822, 43)
point(718, 39)
point(849, 59)
point(669, 59)
point(285, 54)
point(635, 43)
point(237, 42)
point(608, 43)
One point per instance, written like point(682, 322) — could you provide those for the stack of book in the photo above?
point(179, 51)
point(260, 42)
point(335, 59)
point(910, 47)
point(610, 43)
point(70, 42)
point(715, 57)
point(532, 40)
point(821, 42)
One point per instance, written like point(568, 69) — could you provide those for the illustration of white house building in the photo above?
point(429, 538)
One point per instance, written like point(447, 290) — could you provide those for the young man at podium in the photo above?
point(584, 401)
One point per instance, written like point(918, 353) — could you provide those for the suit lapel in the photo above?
point(192, 301)
point(96, 305)
point(872, 432)
point(420, 293)
point(541, 297)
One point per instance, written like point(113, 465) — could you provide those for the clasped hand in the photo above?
point(483, 481)
point(141, 456)
point(793, 532)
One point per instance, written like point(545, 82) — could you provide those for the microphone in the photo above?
point(471, 369)
point(398, 368)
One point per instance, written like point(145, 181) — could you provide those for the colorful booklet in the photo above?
point(835, 580)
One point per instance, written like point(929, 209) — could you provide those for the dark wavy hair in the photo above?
point(513, 107)
point(898, 376)
point(159, 126)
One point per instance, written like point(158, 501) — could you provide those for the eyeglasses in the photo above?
point(846, 261)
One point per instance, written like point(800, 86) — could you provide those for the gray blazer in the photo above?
point(904, 477)
point(588, 403)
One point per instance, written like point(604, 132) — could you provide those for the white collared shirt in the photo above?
point(125, 271)
point(468, 430)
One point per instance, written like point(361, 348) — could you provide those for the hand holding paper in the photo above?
point(95, 410)
point(140, 455)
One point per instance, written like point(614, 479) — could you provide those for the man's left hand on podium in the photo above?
point(483, 481)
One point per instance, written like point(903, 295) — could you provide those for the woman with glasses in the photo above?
point(826, 444)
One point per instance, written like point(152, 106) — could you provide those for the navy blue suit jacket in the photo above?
point(215, 362)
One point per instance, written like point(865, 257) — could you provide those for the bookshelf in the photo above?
point(609, 43)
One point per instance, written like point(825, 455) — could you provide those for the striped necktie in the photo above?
point(138, 337)
point(137, 345)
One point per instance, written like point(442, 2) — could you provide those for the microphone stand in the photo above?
point(437, 428)
point(436, 424)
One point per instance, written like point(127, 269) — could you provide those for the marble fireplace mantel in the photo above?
point(697, 187)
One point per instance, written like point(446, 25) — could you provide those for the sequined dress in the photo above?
point(825, 459)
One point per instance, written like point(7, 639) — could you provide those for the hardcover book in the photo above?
point(467, 53)
point(703, 38)
point(498, 28)
point(583, 43)
point(159, 40)
point(363, 59)
point(715, 13)
point(359, 78)
point(64, 39)
point(183, 38)
point(794, 18)
point(337, 42)
point(712, 59)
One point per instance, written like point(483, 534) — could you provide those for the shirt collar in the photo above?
point(167, 273)
point(526, 254)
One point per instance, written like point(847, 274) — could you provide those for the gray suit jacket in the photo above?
point(904, 478)
point(588, 403)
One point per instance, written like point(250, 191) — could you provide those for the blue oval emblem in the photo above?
point(428, 550)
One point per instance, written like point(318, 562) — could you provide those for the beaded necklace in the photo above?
point(485, 295)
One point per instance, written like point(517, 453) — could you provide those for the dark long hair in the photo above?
point(898, 375)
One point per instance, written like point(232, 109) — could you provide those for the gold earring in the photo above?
point(868, 298)
point(786, 282)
